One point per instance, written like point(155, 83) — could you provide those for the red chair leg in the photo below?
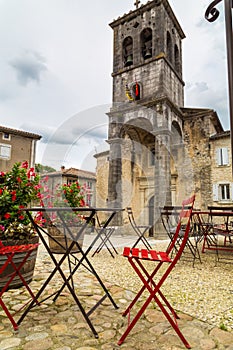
point(17, 272)
point(146, 285)
point(9, 261)
point(14, 324)
point(148, 301)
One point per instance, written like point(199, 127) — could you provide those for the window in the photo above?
point(6, 136)
point(70, 182)
point(152, 156)
point(89, 185)
point(5, 151)
point(222, 156)
point(89, 200)
point(146, 43)
point(222, 192)
point(128, 51)
point(177, 59)
point(169, 47)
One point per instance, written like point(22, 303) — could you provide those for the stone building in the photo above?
point(86, 179)
point(159, 150)
point(16, 146)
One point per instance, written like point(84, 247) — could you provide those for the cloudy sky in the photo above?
point(56, 65)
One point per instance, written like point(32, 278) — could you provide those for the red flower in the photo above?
point(13, 196)
point(2, 173)
point(40, 195)
point(7, 216)
point(1, 191)
point(21, 217)
point(25, 165)
point(31, 173)
point(82, 203)
point(19, 179)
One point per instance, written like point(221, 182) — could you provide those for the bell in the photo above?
point(147, 54)
point(129, 60)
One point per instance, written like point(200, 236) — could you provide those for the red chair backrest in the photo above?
point(185, 213)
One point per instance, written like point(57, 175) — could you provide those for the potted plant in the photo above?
point(66, 195)
point(19, 187)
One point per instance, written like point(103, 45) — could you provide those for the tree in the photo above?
point(43, 168)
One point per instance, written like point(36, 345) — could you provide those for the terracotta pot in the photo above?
point(27, 270)
point(61, 235)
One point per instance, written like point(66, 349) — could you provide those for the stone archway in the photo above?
point(137, 167)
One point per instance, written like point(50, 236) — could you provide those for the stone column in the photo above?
point(162, 174)
point(115, 178)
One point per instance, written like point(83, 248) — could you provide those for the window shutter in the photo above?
point(218, 156)
point(225, 156)
point(215, 192)
point(222, 156)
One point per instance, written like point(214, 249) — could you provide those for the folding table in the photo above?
point(82, 260)
point(218, 224)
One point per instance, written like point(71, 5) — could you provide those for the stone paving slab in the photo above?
point(60, 325)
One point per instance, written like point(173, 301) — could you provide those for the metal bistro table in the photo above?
point(82, 260)
point(217, 222)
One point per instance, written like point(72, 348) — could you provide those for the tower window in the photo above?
point(177, 59)
point(128, 51)
point(146, 43)
point(169, 47)
point(136, 91)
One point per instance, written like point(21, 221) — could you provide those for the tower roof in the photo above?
point(143, 8)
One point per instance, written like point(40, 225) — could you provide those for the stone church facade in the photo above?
point(159, 150)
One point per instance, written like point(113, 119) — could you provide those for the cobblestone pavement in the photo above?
point(202, 307)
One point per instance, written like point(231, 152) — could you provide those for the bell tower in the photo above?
point(147, 49)
point(147, 97)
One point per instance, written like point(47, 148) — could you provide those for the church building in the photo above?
point(159, 150)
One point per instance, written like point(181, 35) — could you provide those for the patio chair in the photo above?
point(9, 252)
point(140, 230)
point(104, 237)
point(169, 217)
point(136, 257)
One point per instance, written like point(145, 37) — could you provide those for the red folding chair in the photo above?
point(9, 252)
point(136, 256)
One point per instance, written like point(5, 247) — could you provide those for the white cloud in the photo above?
point(29, 67)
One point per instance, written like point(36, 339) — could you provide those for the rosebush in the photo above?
point(66, 195)
point(19, 187)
